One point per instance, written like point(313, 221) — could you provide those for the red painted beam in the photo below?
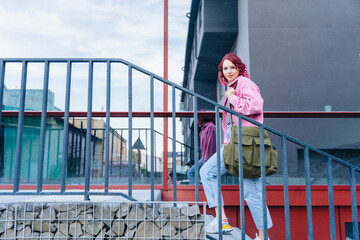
point(187, 114)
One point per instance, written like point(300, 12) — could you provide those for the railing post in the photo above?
point(263, 181)
point(286, 188)
point(331, 199)
point(88, 132)
point(152, 139)
point(196, 148)
point(20, 127)
point(66, 128)
point(43, 128)
point(130, 129)
point(308, 193)
point(107, 127)
point(2, 84)
point(354, 214)
point(174, 141)
point(218, 134)
point(241, 179)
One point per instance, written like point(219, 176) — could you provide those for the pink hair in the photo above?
point(237, 62)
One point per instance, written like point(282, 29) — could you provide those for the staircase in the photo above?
point(130, 114)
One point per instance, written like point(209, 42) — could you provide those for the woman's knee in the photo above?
point(202, 173)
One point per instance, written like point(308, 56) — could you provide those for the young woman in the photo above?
point(244, 96)
point(207, 143)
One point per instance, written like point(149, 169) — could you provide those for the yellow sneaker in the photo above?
point(226, 227)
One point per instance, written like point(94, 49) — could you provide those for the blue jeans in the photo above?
point(252, 189)
point(191, 172)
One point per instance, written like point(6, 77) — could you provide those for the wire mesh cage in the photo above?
point(103, 220)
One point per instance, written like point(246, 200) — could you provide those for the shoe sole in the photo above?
point(227, 230)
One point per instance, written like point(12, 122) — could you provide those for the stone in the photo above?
point(43, 226)
point(148, 229)
point(75, 229)
point(84, 217)
point(168, 230)
point(60, 235)
point(118, 227)
point(152, 213)
point(171, 211)
point(31, 207)
point(197, 219)
point(47, 236)
point(136, 215)
point(6, 220)
point(181, 222)
point(3, 207)
point(104, 213)
point(194, 232)
point(86, 236)
point(9, 233)
point(24, 233)
point(110, 233)
point(70, 216)
point(162, 220)
point(92, 227)
point(48, 213)
point(35, 236)
point(190, 211)
point(123, 210)
point(27, 217)
point(63, 229)
point(129, 233)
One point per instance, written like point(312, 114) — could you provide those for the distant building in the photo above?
point(118, 151)
point(33, 100)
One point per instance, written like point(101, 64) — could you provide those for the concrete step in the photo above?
point(235, 234)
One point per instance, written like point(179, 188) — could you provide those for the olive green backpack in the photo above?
point(250, 153)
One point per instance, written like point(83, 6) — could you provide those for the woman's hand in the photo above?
point(230, 92)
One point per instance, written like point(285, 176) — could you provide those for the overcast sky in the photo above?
point(128, 29)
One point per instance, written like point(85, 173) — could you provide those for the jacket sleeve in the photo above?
point(249, 101)
point(210, 144)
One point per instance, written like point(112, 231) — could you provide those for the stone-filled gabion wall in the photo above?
point(91, 220)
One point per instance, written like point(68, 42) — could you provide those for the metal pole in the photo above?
point(174, 141)
point(66, 128)
point(308, 193)
point(130, 130)
point(165, 97)
point(218, 124)
point(108, 92)
point(241, 180)
point(88, 132)
point(263, 181)
point(2, 80)
point(152, 138)
point(43, 128)
point(331, 199)
point(354, 214)
point(20, 127)
point(139, 156)
point(196, 149)
point(286, 189)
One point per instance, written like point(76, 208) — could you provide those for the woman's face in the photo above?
point(230, 71)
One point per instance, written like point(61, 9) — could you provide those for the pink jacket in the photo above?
point(247, 100)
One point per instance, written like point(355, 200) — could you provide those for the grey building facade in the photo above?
point(303, 55)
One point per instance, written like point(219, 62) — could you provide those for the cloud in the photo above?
point(127, 29)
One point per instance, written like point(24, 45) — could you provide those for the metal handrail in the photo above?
point(217, 107)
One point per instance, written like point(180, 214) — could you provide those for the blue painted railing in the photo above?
point(217, 107)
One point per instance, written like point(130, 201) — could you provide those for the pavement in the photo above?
point(140, 195)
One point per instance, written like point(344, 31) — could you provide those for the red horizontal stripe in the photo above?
point(354, 114)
